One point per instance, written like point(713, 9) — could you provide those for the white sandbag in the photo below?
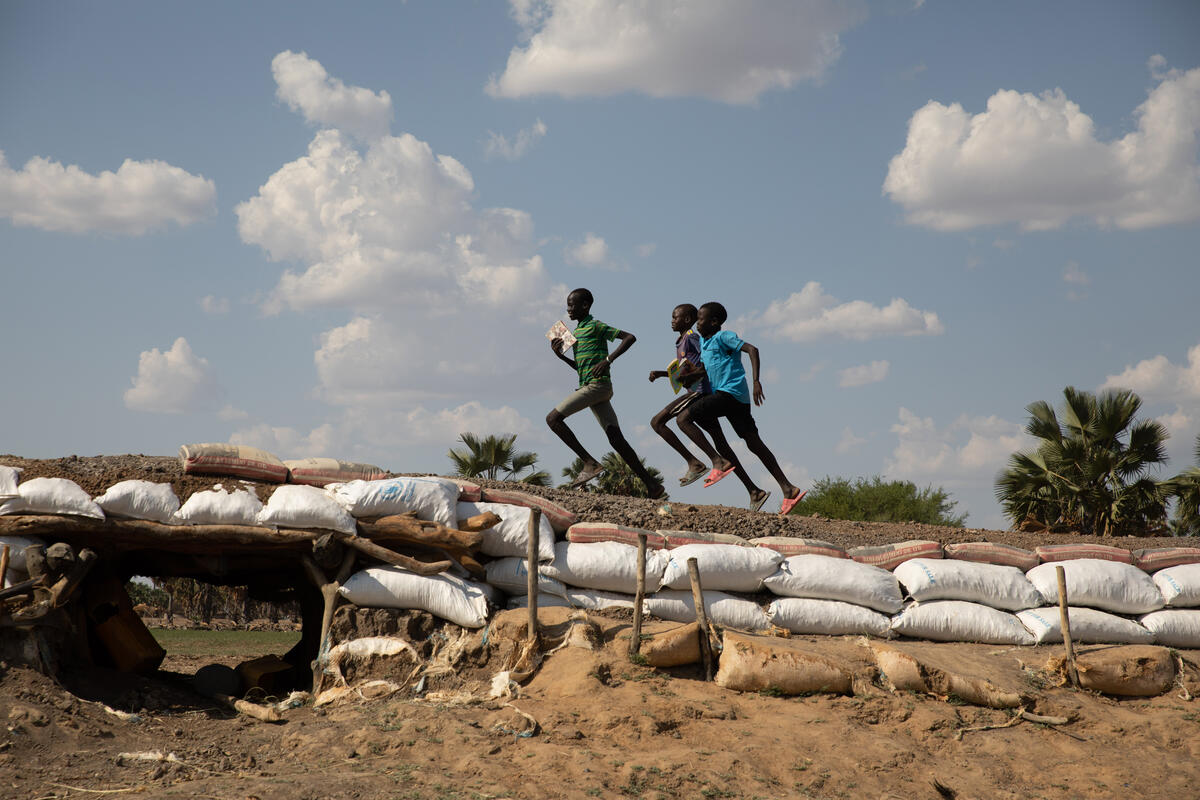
point(140, 500)
point(960, 621)
point(544, 601)
point(510, 537)
point(1173, 627)
point(722, 609)
point(9, 476)
point(433, 499)
point(586, 599)
point(946, 579)
point(1179, 586)
point(219, 506)
point(17, 571)
point(51, 496)
point(511, 575)
point(1087, 625)
point(728, 567)
point(830, 617)
point(829, 578)
point(460, 601)
point(609, 566)
point(297, 506)
point(1098, 583)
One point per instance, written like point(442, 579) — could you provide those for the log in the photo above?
point(479, 522)
point(407, 528)
point(329, 597)
point(706, 653)
point(381, 553)
point(124, 533)
point(635, 638)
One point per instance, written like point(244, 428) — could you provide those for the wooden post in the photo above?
point(531, 567)
point(1065, 621)
point(3, 564)
point(701, 618)
point(635, 638)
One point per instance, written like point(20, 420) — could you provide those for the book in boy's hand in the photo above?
point(674, 370)
point(559, 331)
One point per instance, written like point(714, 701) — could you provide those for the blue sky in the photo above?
point(343, 229)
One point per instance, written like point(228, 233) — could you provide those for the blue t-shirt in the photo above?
point(722, 357)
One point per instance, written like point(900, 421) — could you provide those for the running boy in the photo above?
point(592, 361)
point(721, 354)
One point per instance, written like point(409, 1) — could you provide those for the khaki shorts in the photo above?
point(594, 396)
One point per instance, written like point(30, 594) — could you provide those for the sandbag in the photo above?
point(828, 617)
point(993, 553)
point(586, 599)
point(990, 584)
point(305, 507)
point(1071, 552)
point(795, 546)
point(756, 663)
point(237, 460)
point(722, 609)
point(903, 671)
point(727, 567)
point(510, 536)
point(322, 471)
point(17, 571)
point(430, 498)
point(559, 518)
point(1088, 625)
point(672, 648)
point(675, 539)
point(1108, 585)
point(890, 556)
point(1174, 627)
point(511, 575)
point(460, 601)
point(51, 496)
point(608, 566)
point(219, 506)
point(1179, 586)
point(9, 477)
point(591, 532)
point(140, 500)
point(468, 491)
point(829, 578)
point(960, 621)
point(1155, 558)
point(1138, 671)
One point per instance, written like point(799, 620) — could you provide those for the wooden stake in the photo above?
point(1065, 621)
point(533, 570)
point(329, 597)
point(3, 564)
point(635, 638)
point(701, 618)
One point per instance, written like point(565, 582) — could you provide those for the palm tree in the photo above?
point(1083, 475)
point(617, 477)
point(1186, 489)
point(496, 458)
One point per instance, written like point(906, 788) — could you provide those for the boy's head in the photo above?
point(579, 303)
point(683, 317)
point(710, 319)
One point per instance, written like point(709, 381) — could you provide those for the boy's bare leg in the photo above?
point(760, 449)
point(659, 424)
point(558, 424)
point(617, 439)
point(692, 431)
point(718, 436)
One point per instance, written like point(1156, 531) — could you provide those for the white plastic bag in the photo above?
point(829, 578)
point(8, 481)
point(140, 500)
point(960, 621)
point(434, 499)
point(460, 601)
point(829, 617)
point(16, 558)
point(51, 496)
point(1180, 586)
point(511, 575)
point(722, 609)
point(219, 506)
point(608, 566)
point(511, 536)
point(1174, 627)
point(296, 506)
point(1097, 583)
point(728, 567)
point(946, 579)
point(1087, 625)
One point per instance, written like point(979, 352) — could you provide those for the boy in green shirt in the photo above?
point(592, 361)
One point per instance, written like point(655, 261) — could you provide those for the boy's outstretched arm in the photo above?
point(557, 346)
point(627, 340)
point(752, 351)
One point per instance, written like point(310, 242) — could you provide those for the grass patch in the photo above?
point(225, 643)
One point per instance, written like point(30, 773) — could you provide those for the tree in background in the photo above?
point(1186, 489)
point(1089, 470)
point(874, 500)
point(496, 458)
point(617, 477)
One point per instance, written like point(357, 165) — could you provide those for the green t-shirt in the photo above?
point(591, 347)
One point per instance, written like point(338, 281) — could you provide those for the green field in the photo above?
point(225, 643)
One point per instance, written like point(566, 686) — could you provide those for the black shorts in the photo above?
point(713, 406)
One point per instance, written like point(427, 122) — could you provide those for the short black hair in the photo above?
point(583, 293)
point(690, 309)
point(716, 311)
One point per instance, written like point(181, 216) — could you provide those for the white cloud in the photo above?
point(175, 382)
point(306, 87)
point(288, 443)
point(1074, 275)
point(139, 197)
point(1157, 379)
point(591, 252)
point(498, 145)
point(863, 374)
point(210, 304)
point(1034, 160)
point(726, 50)
point(811, 314)
point(849, 442)
point(968, 448)
point(645, 250)
point(230, 414)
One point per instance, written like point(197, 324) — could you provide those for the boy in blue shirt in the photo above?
point(721, 355)
point(592, 361)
